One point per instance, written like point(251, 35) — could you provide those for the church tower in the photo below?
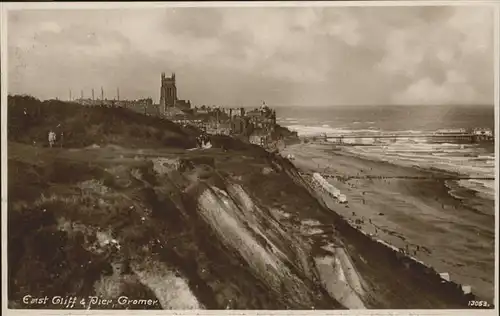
point(168, 92)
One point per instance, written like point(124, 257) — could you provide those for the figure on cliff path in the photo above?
point(52, 138)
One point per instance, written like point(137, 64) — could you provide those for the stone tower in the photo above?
point(168, 92)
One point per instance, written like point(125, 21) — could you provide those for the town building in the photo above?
point(144, 105)
point(183, 104)
point(258, 125)
point(239, 125)
point(86, 102)
point(262, 119)
point(233, 112)
point(259, 137)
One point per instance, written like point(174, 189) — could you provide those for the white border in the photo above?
point(4, 7)
point(232, 4)
point(496, 56)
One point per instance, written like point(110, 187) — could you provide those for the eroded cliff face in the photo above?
point(165, 228)
point(275, 257)
point(194, 229)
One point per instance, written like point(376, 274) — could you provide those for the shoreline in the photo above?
point(410, 211)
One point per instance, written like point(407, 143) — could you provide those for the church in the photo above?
point(168, 95)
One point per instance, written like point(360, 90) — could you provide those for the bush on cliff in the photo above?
point(281, 132)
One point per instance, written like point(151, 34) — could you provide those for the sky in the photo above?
point(308, 56)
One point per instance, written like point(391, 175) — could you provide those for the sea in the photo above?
point(475, 161)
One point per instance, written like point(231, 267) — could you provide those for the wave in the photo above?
point(483, 188)
point(447, 160)
point(285, 121)
point(468, 160)
point(403, 132)
point(317, 130)
point(309, 126)
point(462, 165)
point(464, 159)
point(454, 189)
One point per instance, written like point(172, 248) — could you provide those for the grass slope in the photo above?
point(30, 120)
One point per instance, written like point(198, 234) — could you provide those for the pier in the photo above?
point(432, 136)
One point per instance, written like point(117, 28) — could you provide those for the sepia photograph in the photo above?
point(282, 156)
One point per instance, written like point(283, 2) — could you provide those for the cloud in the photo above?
point(432, 58)
point(309, 56)
point(50, 26)
point(427, 91)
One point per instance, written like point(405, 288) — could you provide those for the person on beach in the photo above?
point(52, 138)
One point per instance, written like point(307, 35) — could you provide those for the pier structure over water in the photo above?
point(341, 138)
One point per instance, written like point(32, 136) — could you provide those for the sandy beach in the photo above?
point(411, 208)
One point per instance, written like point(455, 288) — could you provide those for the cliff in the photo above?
point(235, 228)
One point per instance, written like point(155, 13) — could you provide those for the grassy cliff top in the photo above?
point(30, 120)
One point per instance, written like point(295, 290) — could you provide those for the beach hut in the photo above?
point(342, 198)
point(467, 289)
point(445, 276)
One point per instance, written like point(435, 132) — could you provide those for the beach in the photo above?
point(411, 208)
